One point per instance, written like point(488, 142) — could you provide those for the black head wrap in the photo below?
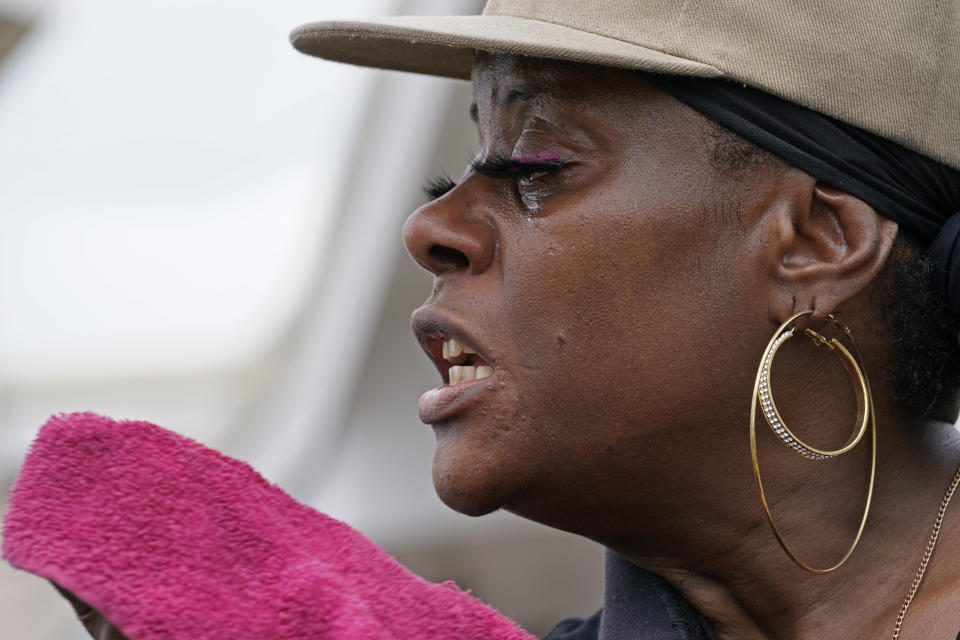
point(920, 194)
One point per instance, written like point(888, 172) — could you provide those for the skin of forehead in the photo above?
point(514, 92)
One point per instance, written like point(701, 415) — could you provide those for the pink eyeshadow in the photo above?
point(539, 157)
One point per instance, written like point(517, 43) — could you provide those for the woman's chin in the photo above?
point(469, 504)
point(466, 485)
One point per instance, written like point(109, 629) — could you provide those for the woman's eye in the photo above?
point(529, 176)
point(532, 177)
point(532, 189)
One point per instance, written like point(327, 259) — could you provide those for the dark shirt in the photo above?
point(637, 605)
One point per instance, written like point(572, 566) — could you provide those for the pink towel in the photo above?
point(171, 540)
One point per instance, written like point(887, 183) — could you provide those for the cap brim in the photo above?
point(445, 46)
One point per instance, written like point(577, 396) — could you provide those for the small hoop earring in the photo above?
point(763, 396)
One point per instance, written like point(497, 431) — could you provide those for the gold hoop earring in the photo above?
point(763, 397)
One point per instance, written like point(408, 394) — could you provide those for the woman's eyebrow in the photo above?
point(525, 93)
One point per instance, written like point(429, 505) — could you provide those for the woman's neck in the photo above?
point(740, 578)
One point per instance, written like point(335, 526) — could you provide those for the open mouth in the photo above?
point(466, 371)
point(462, 363)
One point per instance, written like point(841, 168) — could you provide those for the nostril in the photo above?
point(448, 259)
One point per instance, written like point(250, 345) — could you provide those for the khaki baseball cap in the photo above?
point(891, 67)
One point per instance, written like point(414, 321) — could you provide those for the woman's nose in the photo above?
point(444, 238)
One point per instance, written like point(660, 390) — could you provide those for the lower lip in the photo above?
point(442, 404)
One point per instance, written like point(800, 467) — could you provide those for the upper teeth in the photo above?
point(455, 352)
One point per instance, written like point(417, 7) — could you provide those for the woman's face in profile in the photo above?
point(596, 288)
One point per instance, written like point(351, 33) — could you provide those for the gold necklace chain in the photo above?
point(926, 554)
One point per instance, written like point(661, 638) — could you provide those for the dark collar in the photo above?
point(638, 605)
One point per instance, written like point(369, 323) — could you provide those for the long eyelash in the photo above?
point(438, 186)
point(498, 166)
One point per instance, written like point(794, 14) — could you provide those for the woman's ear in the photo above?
point(826, 247)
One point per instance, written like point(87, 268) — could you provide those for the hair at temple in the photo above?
point(923, 330)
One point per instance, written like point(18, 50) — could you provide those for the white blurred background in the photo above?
point(200, 227)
